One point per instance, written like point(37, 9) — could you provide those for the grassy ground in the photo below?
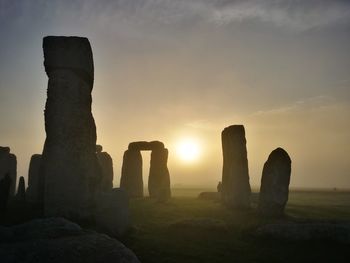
point(156, 238)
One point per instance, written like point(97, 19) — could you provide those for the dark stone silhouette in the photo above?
point(112, 212)
point(8, 165)
point(106, 164)
point(58, 240)
point(275, 180)
point(69, 167)
point(35, 190)
point(5, 185)
point(131, 179)
point(21, 192)
point(159, 177)
point(235, 176)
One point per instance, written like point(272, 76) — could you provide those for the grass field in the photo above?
point(157, 237)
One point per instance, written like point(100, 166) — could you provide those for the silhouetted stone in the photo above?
point(69, 163)
point(146, 146)
point(235, 176)
point(159, 177)
point(112, 212)
point(275, 183)
point(21, 192)
point(35, 190)
point(106, 164)
point(5, 185)
point(131, 179)
point(8, 165)
point(58, 240)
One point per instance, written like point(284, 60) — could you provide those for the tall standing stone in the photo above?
point(21, 191)
point(69, 163)
point(8, 166)
point(131, 180)
point(159, 177)
point(275, 180)
point(35, 190)
point(235, 176)
point(106, 165)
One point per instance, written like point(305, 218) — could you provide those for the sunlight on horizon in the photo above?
point(188, 150)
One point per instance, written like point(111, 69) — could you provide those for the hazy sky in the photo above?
point(170, 69)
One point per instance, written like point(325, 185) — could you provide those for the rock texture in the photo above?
point(58, 240)
point(275, 183)
point(35, 190)
point(131, 179)
point(159, 177)
point(235, 176)
point(112, 213)
point(69, 166)
point(338, 232)
point(106, 165)
point(8, 165)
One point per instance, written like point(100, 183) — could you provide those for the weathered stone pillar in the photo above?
point(106, 164)
point(131, 180)
point(8, 166)
point(275, 180)
point(159, 177)
point(69, 163)
point(235, 176)
point(35, 190)
point(21, 191)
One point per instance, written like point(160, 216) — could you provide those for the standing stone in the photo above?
point(131, 180)
point(8, 165)
point(21, 191)
point(69, 163)
point(106, 164)
point(5, 185)
point(235, 176)
point(112, 212)
point(275, 183)
point(35, 188)
point(159, 177)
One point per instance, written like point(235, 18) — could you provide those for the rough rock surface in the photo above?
point(35, 190)
point(58, 240)
point(339, 232)
point(112, 212)
point(131, 179)
point(69, 164)
point(8, 165)
point(106, 165)
point(235, 175)
point(275, 179)
point(159, 177)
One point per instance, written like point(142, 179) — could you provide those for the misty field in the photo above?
point(175, 232)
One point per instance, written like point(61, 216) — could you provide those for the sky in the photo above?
point(174, 69)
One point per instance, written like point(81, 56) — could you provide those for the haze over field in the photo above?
point(177, 69)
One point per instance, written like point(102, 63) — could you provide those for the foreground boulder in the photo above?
point(235, 175)
point(275, 180)
point(69, 164)
point(58, 240)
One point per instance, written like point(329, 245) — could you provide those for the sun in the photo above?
point(188, 150)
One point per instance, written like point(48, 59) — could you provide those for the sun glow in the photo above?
point(188, 150)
